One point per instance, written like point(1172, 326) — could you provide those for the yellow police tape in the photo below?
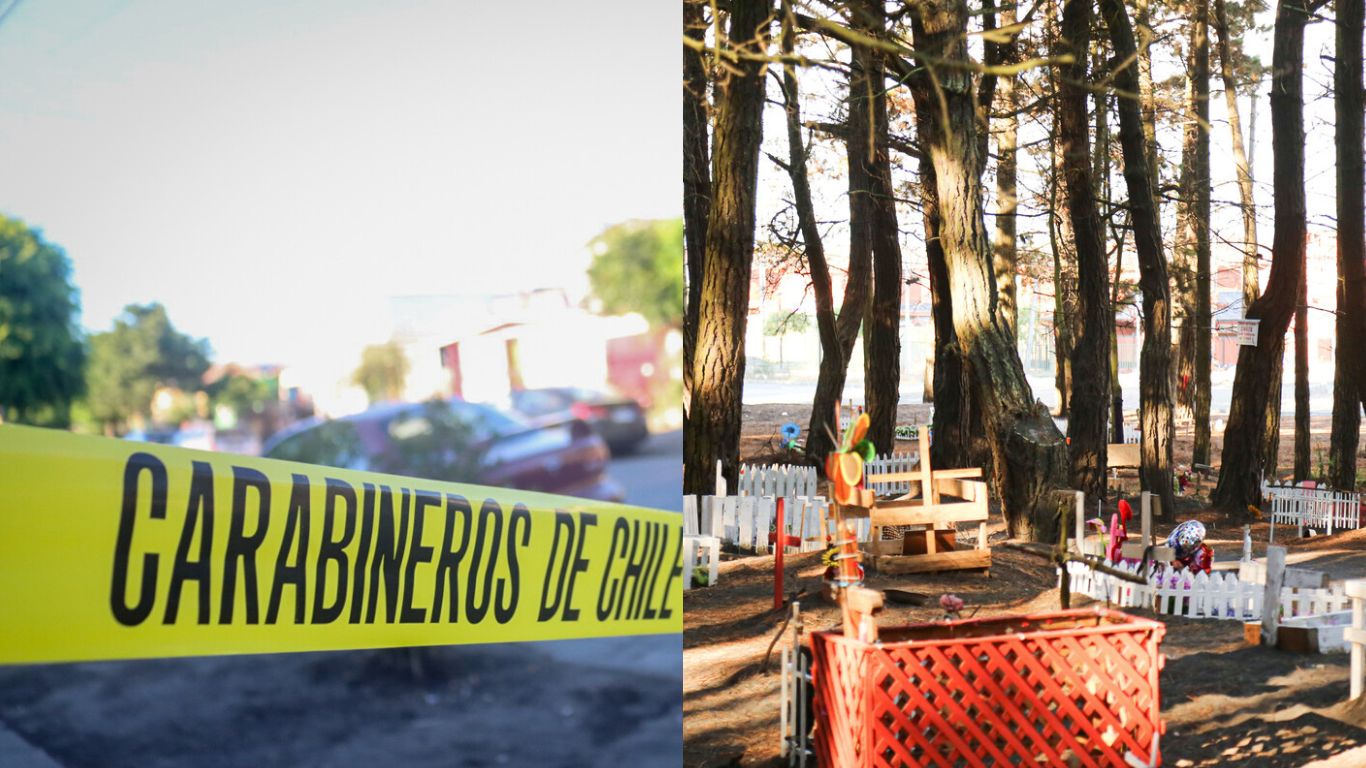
point(116, 550)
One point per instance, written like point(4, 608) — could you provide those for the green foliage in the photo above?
point(382, 371)
point(638, 267)
point(243, 394)
point(142, 353)
point(42, 352)
point(783, 323)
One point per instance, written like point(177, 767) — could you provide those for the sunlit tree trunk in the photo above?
point(1240, 475)
point(1155, 374)
point(1251, 287)
point(1004, 254)
point(1029, 455)
point(712, 432)
point(696, 179)
point(1348, 390)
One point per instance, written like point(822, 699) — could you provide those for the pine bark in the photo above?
point(1302, 469)
point(696, 180)
point(1202, 317)
point(1029, 456)
point(1348, 389)
point(1240, 475)
point(1004, 253)
point(882, 321)
point(1155, 371)
point(1246, 202)
point(1086, 427)
point(712, 432)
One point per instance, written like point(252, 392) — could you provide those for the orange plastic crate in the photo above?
point(1044, 689)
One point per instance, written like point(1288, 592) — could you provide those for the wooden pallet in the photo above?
point(939, 500)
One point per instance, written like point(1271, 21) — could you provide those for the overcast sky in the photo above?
point(273, 171)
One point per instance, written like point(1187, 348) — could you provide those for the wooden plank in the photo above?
point(959, 559)
point(922, 514)
point(963, 488)
point(1123, 456)
point(1161, 553)
point(1271, 601)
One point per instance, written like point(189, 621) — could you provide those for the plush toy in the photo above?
point(1119, 531)
point(1187, 540)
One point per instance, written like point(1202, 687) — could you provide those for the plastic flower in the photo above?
point(790, 431)
point(951, 603)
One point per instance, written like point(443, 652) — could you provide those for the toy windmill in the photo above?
point(851, 500)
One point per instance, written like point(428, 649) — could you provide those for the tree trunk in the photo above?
point(713, 429)
point(1004, 254)
point(1202, 316)
point(1155, 385)
point(1251, 287)
point(696, 180)
point(1116, 389)
point(1193, 244)
point(1240, 475)
point(1348, 389)
point(837, 333)
point(952, 427)
point(882, 321)
point(1029, 456)
point(1302, 469)
point(1065, 315)
point(1086, 418)
point(1147, 97)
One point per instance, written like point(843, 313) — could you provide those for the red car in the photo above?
point(458, 442)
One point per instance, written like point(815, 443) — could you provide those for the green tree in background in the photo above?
point(382, 372)
point(243, 394)
point(638, 267)
point(42, 353)
point(780, 324)
point(142, 353)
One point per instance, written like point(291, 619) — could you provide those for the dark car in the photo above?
point(458, 442)
point(620, 420)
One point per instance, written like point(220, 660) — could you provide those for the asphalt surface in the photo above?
point(613, 701)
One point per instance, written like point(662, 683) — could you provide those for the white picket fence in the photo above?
point(704, 551)
point(1356, 637)
point(777, 480)
point(747, 521)
point(1218, 595)
point(1320, 508)
point(895, 462)
point(791, 480)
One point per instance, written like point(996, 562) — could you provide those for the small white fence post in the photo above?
point(1356, 635)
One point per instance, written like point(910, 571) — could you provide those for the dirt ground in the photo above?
point(1224, 702)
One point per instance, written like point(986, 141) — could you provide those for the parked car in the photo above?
point(459, 442)
point(620, 420)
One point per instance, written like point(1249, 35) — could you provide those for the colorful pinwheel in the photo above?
point(844, 467)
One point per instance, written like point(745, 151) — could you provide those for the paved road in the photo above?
point(653, 475)
point(612, 701)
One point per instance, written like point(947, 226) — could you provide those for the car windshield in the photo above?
point(331, 444)
point(471, 421)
